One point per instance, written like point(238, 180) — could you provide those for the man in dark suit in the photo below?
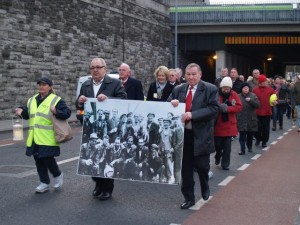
point(133, 87)
point(101, 86)
point(201, 108)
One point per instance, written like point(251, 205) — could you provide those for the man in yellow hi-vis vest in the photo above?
point(41, 137)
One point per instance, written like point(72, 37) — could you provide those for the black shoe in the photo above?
point(264, 144)
point(241, 153)
point(187, 204)
point(280, 128)
point(105, 196)
point(273, 128)
point(217, 162)
point(206, 194)
point(249, 149)
point(256, 143)
point(225, 168)
point(97, 191)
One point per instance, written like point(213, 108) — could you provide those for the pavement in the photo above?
point(7, 125)
point(266, 193)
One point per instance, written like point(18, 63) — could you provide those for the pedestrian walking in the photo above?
point(263, 91)
point(160, 89)
point(101, 86)
point(236, 82)
point(254, 81)
point(283, 96)
point(41, 143)
point(247, 119)
point(224, 73)
point(226, 123)
point(201, 108)
point(132, 86)
point(296, 94)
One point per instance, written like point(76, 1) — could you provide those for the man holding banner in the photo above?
point(201, 108)
point(101, 86)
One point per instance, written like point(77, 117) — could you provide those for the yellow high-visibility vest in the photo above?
point(40, 123)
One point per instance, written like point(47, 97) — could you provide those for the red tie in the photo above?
point(188, 100)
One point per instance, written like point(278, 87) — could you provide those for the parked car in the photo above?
point(79, 113)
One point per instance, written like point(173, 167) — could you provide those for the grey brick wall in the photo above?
point(58, 39)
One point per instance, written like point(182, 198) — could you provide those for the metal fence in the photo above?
point(262, 13)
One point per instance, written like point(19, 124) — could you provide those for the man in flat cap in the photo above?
point(155, 165)
point(153, 130)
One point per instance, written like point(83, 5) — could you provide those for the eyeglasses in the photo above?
point(96, 67)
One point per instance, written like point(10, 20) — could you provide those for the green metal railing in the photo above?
point(264, 13)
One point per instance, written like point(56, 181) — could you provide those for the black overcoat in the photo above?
point(204, 110)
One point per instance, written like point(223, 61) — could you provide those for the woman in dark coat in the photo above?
point(247, 119)
point(161, 88)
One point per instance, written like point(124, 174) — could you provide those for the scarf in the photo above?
point(224, 115)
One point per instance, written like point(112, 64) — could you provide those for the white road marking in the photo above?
point(33, 171)
point(243, 167)
point(226, 181)
point(199, 204)
point(266, 148)
point(285, 133)
point(68, 160)
point(174, 224)
point(6, 145)
point(274, 142)
point(290, 129)
point(280, 137)
point(256, 156)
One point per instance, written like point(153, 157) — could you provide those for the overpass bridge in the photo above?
point(263, 36)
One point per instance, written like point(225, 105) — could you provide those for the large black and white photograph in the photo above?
point(132, 140)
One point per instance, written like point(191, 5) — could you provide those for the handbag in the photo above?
point(62, 130)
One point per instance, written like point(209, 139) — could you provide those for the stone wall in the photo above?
point(58, 39)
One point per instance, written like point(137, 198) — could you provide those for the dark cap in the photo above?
point(151, 114)
point(245, 84)
point(154, 147)
point(93, 136)
point(167, 120)
point(45, 80)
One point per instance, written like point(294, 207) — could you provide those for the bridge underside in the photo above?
point(245, 51)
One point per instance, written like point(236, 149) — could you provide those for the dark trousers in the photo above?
point(277, 114)
point(246, 138)
point(289, 111)
point(223, 150)
point(189, 162)
point(263, 133)
point(45, 164)
point(105, 184)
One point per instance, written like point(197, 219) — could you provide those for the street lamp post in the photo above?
point(175, 44)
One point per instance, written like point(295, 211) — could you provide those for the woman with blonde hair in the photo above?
point(161, 88)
